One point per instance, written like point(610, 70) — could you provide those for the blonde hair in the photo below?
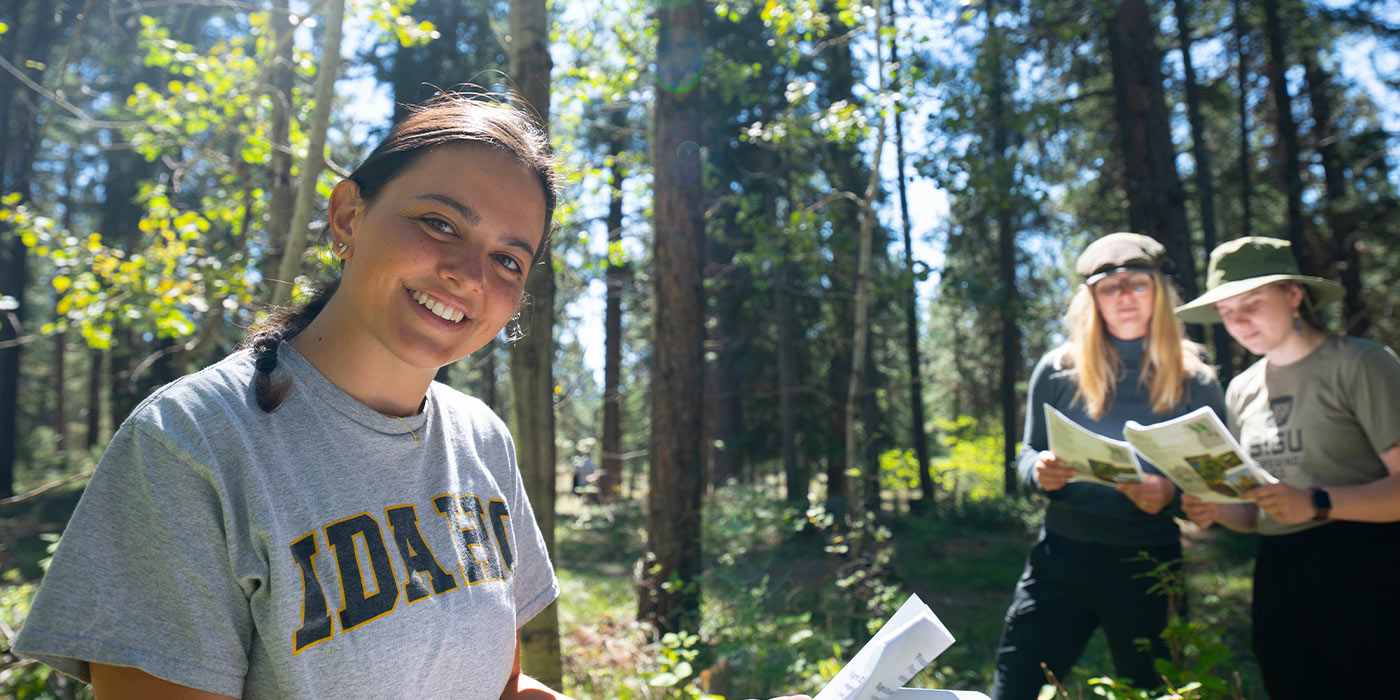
point(1169, 359)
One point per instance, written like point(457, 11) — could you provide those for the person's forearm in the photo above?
point(1240, 517)
point(1376, 502)
point(526, 688)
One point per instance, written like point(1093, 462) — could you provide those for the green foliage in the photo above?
point(972, 470)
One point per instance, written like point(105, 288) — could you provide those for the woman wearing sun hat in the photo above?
point(1321, 412)
point(1126, 359)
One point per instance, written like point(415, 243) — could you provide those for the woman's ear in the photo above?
point(342, 211)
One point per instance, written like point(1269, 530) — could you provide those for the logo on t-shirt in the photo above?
point(1281, 408)
point(475, 532)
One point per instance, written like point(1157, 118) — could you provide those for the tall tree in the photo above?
point(670, 596)
point(617, 274)
point(532, 357)
point(1156, 201)
point(1242, 84)
point(1205, 180)
point(911, 302)
point(1002, 203)
point(1344, 235)
point(315, 162)
point(1291, 172)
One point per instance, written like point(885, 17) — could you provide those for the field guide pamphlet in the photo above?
point(908, 641)
point(1093, 457)
point(1199, 455)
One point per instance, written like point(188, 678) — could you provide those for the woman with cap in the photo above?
point(1126, 359)
point(1321, 412)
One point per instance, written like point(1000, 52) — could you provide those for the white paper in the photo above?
point(1199, 455)
point(911, 639)
point(931, 694)
point(1093, 457)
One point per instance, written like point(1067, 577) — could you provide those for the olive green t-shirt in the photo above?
point(1321, 421)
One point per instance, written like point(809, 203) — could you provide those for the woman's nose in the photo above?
point(467, 269)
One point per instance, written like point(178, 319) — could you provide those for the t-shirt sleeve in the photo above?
point(534, 583)
point(1375, 391)
point(142, 576)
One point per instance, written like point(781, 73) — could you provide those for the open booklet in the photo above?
point(1195, 451)
point(908, 641)
point(1093, 457)
point(1199, 455)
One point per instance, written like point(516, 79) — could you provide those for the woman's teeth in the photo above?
point(438, 308)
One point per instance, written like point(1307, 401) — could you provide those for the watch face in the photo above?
point(1321, 500)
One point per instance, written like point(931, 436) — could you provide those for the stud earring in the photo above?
point(340, 249)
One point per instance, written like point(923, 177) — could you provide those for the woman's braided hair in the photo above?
point(451, 118)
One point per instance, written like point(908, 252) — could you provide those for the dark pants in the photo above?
point(1327, 612)
point(1068, 589)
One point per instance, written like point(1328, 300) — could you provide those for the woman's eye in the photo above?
point(438, 225)
point(509, 263)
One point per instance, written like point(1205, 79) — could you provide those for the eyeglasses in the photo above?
point(1111, 288)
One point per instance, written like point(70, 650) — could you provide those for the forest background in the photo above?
point(807, 255)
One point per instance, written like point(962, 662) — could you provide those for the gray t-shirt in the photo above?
point(315, 552)
point(1321, 421)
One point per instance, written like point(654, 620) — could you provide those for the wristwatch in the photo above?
point(1322, 504)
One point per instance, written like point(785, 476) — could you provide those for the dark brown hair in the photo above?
point(452, 118)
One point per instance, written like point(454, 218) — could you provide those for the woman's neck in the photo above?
point(1296, 347)
point(360, 366)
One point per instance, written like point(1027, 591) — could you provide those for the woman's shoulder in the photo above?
point(1349, 348)
point(220, 388)
point(466, 410)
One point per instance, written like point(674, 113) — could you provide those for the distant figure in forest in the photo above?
point(314, 516)
point(1321, 412)
point(1127, 358)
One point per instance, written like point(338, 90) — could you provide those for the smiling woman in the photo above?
point(314, 516)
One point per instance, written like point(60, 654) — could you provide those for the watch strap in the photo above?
point(1322, 504)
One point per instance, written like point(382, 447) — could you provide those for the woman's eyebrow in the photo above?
point(465, 211)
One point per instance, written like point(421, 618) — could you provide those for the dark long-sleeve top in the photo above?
point(1090, 512)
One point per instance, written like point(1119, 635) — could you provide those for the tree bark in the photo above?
point(1242, 80)
point(1356, 318)
point(315, 155)
point(917, 433)
point(1156, 201)
point(281, 189)
point(1287, 135)
point(1002, 199)
point(670, 596)
point(860, 344)
point(1205, 179)
point(532, 357)
point(610, 476)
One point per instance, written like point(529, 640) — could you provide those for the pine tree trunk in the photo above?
point(1205, 180)
point(1156, 201)
point(670, 594)
point(94, 399)
point(911, 303)
point(1356, 318)
point(1006, 254)
point(532, 357)
point(1287, 135)
point(290, 265)
point(1242, 83)
point(610, 476)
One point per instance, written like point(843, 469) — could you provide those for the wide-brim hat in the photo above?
point(1119, 251)
point(1246, 264)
